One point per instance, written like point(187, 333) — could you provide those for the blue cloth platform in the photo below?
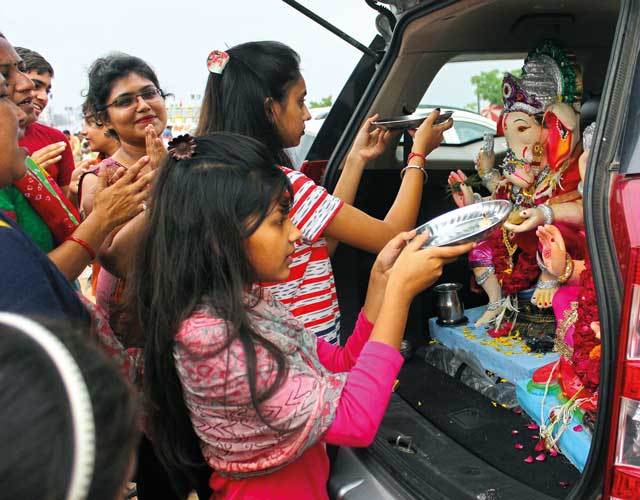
point(573, 444)
point(506, 357)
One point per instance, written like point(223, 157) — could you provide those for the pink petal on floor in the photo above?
point(535, 436)
point(517, 410)
point(515, 432)
point(539, 446)
point(518, 446)
point(564, 484)
point(553, 452)
point(578, 428)
point(541, 457)
point(529, 459)
point(533, 426)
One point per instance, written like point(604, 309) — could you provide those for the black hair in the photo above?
point(201, 213)
point(234, 101)
point(105, 71)
point(36, 429)
point(89, 114)
point(33, 61)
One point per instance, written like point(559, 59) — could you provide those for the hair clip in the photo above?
point(217, 61)
point(182, 147)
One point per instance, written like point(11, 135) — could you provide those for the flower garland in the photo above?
point(586, 346)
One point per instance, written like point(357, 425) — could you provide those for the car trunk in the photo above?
point(442, 438)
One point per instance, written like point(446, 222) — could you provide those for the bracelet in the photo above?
point(547, 213)
point(426, 175)
point(477, 198)
point(547, 284)
point(83, 244)
point(417, 155)
point(568, 270)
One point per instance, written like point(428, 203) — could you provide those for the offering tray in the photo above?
point(466, 224)
point(401, 122)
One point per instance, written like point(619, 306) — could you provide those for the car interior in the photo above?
point(450, 403)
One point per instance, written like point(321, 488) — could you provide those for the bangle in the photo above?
point(417, 155)
point(477, 198)
point(83, 244)
point(426, 175)
point(568, 270)
point(547, 213)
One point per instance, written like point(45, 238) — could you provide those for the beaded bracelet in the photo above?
point(83, 244)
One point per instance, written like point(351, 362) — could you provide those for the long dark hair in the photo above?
point(36, 430)
point(235, 100)
point(192, 255)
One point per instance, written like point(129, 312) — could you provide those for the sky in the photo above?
point(175, 37)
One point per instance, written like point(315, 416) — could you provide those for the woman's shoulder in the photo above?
point(202, 324)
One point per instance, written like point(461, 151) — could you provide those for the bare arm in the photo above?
point(113, 206)
point(117, 250)
point(354, 227)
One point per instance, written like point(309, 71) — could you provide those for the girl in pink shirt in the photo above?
point(232, 380)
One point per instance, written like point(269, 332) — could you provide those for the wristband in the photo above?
point(83, 244)
point(417, 155)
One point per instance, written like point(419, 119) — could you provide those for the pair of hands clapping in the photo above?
point(121, 195)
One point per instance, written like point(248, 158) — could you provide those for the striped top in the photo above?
point(310, 291)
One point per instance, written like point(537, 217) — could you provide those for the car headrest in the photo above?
point(589, 112)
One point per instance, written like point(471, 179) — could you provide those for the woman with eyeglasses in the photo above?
point(127, 100)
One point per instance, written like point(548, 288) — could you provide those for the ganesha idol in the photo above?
point(539, 175)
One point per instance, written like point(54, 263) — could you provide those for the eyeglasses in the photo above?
point(128, 100)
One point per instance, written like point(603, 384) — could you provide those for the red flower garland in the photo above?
point(585, 359)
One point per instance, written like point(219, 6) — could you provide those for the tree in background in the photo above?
point(488, 87)
point(325, 102)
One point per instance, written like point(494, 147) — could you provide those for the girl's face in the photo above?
point(290, 114)
point(271, 245)
point(134, 102)
point(11, 155)
point(96, 136)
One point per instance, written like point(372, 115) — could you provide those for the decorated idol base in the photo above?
point(466, 224)
point(575, 442)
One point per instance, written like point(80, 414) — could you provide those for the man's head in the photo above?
point(41, 73)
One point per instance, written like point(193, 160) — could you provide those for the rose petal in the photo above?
point(518, 446)
point(515, 432)
point(539, 446)
point(578, 428)
point(553, 452)
point(535, 436)
point(529, 459)
point(564, 484)
point(533, 426)
point(517, 410)
point(541, 457)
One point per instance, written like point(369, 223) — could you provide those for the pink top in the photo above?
point(351, 388)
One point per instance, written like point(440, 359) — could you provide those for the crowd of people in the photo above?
point(210, 359)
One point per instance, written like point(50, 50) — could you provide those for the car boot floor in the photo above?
point(484, 428)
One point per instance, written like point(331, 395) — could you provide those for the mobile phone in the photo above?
point(443, 117)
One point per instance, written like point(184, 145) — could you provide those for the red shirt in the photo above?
point(37, 136)
point(310, 291)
